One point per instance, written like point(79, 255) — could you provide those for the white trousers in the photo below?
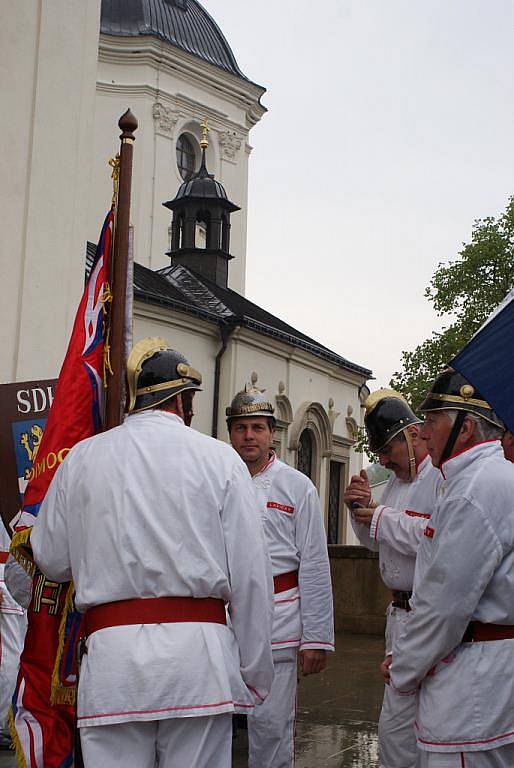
point(502, 757)
point(181, 742)
point(12, 636)
point(396, 735)
point(271, 727)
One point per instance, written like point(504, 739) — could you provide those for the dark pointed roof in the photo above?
point(182, 23)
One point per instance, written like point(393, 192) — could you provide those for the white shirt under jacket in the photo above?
point(152, 509)
point(294, 531)
point(464, 572)
point(398, 523)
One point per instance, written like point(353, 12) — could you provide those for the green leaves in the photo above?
point(466, 290)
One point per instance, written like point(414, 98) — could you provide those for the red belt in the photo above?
point(478, 632)
point(3, 557)
point(155, 610)
point(285, 581)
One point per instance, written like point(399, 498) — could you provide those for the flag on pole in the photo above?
point(43, 713)
point(487, 360)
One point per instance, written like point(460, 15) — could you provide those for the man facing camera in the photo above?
point(303, 621)
point(155, 524)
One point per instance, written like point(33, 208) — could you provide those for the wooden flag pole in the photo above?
point(115, 395)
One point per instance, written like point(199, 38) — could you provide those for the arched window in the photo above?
point(305, 453)
point(186, 156)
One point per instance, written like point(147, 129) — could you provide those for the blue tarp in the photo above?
point(487, 361)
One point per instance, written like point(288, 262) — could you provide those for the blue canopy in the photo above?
point(487, 361)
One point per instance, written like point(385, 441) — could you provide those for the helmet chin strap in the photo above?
point(412, 458)
point(452, 437)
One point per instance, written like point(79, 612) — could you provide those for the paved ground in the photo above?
point(338, 711)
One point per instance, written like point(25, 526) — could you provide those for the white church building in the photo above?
point(82, 63)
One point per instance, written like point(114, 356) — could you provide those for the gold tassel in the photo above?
point(21, 551)
point(20, 757)
point(58, 693)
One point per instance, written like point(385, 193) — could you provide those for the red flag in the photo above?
point(43, 714)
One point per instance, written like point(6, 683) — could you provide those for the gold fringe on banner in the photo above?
point(20, 757)
point(58, 693)
point(21, 551)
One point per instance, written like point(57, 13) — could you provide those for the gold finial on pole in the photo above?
point(204, 141)
point(114, 162)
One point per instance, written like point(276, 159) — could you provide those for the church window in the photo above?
point(305, 453)
point(186, 156)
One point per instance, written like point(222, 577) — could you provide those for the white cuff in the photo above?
point(375, 522)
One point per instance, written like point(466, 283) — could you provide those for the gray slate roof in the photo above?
point(182, 289)
point(182, 23)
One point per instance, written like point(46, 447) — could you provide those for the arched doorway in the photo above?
point(305, 461)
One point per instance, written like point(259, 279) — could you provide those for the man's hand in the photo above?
point(384, 669)
point(364, 515)
point(312, 661)
point(358, 490)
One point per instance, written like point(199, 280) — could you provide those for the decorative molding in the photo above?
point(165, 119)
point(351, 424)
point(284, 412)
point(311, 415)
point(230, 144)
point(332, 413)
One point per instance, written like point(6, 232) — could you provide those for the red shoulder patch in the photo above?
point(411, 513)
point(429, 532)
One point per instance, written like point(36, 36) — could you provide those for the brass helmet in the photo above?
point(451, 391)
point(156, 373)
point(249, 402)
point(387, 414)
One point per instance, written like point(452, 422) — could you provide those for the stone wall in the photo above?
point(360, 597)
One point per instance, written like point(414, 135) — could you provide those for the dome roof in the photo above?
point(182, 23)
point(202, 186)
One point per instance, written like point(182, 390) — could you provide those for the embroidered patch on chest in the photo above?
point(281, 507)
point(429, 532)
point(411, 513)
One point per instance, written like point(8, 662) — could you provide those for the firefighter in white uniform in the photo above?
point(155, 524)
point(458, 640)
point(303, 620)
point(395, 528)
point(13, 623)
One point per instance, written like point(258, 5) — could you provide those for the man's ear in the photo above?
point(468, 428)
point(413, 432)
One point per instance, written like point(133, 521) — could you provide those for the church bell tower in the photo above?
point(200, 228)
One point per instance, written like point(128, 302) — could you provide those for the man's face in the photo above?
point(252, 437)
point(395, 456)
point(435, 432)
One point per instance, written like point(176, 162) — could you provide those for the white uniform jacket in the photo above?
point(464, 572)
point(296, 539)
point(152, 509)
point(398, 523)
point(8, 605)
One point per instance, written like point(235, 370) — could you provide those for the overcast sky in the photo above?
point(390, 130)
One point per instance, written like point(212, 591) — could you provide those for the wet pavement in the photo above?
point(338, 711)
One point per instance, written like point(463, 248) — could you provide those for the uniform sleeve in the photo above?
point(364, 535)
point(402, 530)
point(49, 537)
point(314, 576)
point(18, 582)
point(466, 552)
point(251, 606)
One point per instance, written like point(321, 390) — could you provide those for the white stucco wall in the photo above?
point(48, 55)
point(146, 72)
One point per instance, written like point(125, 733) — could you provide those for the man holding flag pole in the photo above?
point(43, 711)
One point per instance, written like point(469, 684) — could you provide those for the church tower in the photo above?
point(170, 62)
point(200, 230)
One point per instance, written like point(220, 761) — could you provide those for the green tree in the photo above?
point(466, 291)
